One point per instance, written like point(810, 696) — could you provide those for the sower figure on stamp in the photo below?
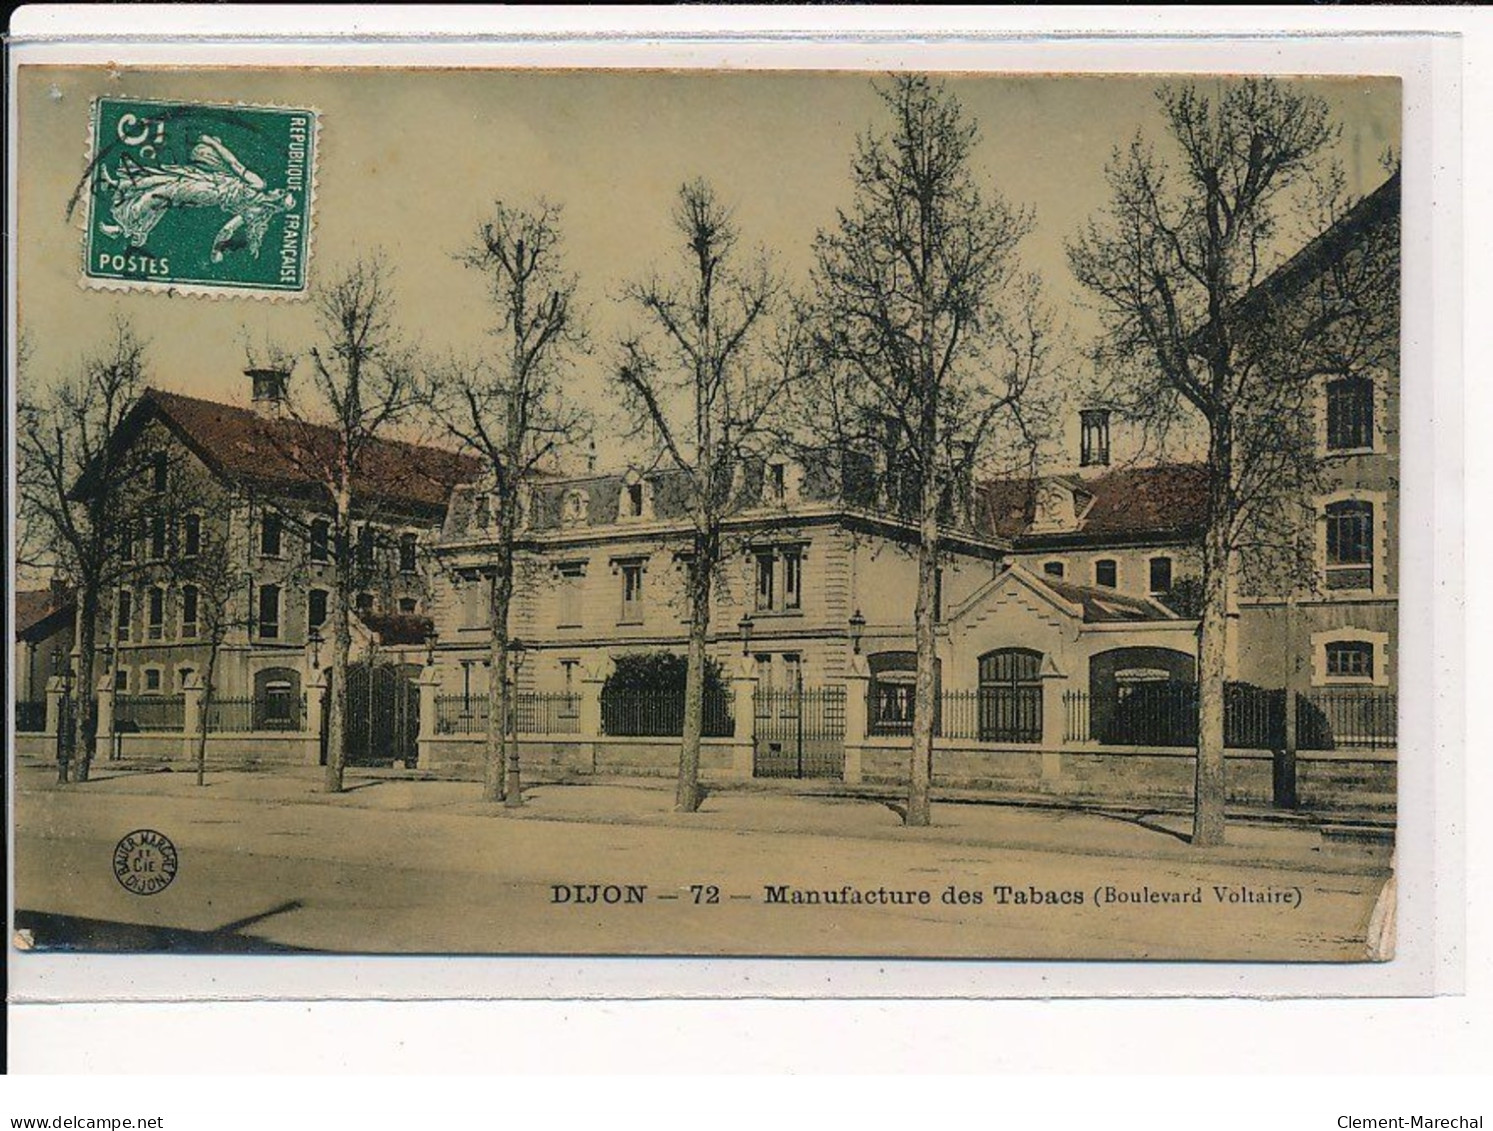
point(143, 194)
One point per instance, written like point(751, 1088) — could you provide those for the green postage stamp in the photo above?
point(200, 198)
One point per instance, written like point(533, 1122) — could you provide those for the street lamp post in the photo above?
point(745, 626)
point(857, 630)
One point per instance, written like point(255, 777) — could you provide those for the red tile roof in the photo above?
point(34, 606)
point(1137, 502)
point(244, 446)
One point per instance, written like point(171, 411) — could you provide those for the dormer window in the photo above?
point(575, 508)
point(635, 501)
point(158, 471)
point(777, 483)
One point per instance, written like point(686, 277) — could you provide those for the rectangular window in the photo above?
point(152, 679)
point(1106, 573)
point(1350, 414)
point(121, 679)
point(793, 670)
point(321, 537)
point(763, 664)
point(364, 603)
point(632, 592)
point(316, 608)
point(155, 614)
point(1054, 569)
point(793, 572)
point(635, 500)
point(127, 540)
point(269, 612)
point(407, 606)
point(269, 535)
point(189, 611)
point(572, 580)
point(765, 589)
point(157, 537)
point(1161, 575)
point(122, 615)
point(476, 606)
point(1350, 545)
point(407, 545)
point(365, 546)
point(191, 536)
point(158, 471)
point(1350, 659)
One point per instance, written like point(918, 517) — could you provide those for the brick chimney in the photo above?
point(1093, 440)
point(269, 390)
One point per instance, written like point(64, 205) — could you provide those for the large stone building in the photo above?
point(225, 511)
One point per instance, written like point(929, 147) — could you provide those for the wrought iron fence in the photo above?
point(461, 714)
point(535, 712)
point(800, 732)
point(31, 717)
point(149, 712)
point(1357, 719)
point(660, 714)
point(247, 715)
point(548, 712)
point(1166, 714)
point(991, 714)
point(988, 714)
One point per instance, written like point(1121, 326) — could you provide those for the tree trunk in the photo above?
point(500, 771)
point(341, 648)
point(925, 690)
point(84, 723)
point(1208, 800)
point(702, 566)
point(207, 701)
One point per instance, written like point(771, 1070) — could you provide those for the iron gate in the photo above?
point(383, 715)
point(800, 733)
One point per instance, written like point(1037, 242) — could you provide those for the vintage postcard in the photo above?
point(754, 513)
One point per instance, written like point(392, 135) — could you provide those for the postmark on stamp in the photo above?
point(145, 862)
point(200, 198)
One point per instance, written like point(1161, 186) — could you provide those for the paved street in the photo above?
point(422, 866)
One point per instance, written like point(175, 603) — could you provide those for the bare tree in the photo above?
point(72, 475)
point(931, 339)
point(511, 411)
point(1201, 322)
point(364, 383)
point(703, 380)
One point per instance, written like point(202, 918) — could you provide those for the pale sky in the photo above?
point(411, 162)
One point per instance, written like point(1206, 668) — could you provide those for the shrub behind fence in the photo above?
point(31, 717)
point(660, 714)
point(149, 712)
point(1166, 714)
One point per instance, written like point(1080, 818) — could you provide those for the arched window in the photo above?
point(277, 695)
point(892, 690)
point(1011, 695)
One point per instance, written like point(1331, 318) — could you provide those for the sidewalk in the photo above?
point(750, 808)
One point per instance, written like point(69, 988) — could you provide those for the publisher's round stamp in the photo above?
point(199, 198)
point(145, 862)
